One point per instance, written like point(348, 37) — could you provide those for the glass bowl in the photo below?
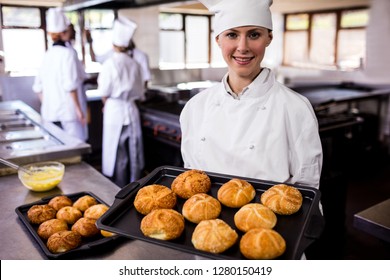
point(42, 176)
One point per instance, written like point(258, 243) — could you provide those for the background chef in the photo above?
point(250, 125)
point(57, 79)
point(120, 85)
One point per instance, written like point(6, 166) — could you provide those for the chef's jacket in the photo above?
point(55, 80)
point(143, 61)
point(268, 132)
point(120, 81)
point(81, 94)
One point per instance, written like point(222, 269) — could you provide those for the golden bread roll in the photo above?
point(254, 215)
point(60, 201)
point(107, 233)
point(85, 227)
point(236, 193)
point(201, 207)
point(153, 197)
point(69, 214)
point(163, 224)
point(282, 199)
point(84, 202)
point(47, 228)
point(95, 211)
point(191, 182)
point(262, 244)
point(213, 236)
point(38, 214)
point(63, 241)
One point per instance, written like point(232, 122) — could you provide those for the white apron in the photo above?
point(270, 133)
point(120, 81)
point(112, 127)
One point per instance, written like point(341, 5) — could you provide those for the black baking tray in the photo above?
point(87, 243)
point(299, 230)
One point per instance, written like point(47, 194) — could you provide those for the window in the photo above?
point(23, 39)
point(99, 23)
point(193, 41)
point(25, 44)
point(327, 40)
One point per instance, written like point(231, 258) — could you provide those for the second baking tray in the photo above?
point(299, 230)
point(87, 243)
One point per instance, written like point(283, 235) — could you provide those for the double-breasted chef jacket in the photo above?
point(269, 132)
point(120, 80)
point(57, 77)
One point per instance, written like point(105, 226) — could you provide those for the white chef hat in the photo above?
point(233, 13)
point(123, 31)
point(56, 21)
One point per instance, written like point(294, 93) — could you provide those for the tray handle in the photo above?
point(313, 231)
point(315, 227)
point(126, 190)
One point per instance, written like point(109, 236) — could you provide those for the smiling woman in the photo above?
point(250, 125)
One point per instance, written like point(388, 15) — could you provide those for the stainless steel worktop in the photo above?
point(26, 138)
point(17, 243)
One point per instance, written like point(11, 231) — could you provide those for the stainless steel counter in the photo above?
point(25, 137)
point(17, 243)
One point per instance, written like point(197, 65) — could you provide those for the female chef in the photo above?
point(250, 125)
point(120, 85)
point(57, 80)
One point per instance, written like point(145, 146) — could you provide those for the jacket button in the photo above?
point(203, 139)
point(251, 147)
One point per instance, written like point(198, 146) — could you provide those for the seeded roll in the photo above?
point(38, 214)
point(214, 236)
point(262, 244)
point(154, 197)
point(191, 182)
point(254, 215)
point(163, 224)
point(282, 199)
point(236, 193)
point(201, 207)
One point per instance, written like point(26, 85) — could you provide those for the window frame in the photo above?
point(183, 29)
point(338, 13)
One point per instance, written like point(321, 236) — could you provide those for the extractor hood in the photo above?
point(71, 5)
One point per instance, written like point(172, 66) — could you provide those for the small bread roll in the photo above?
point(254, 215)
point(84, 202)
point(69, 214)
point(201, 207)
point(236, 193)
point(282, 199)
point(47, 228)
point(95, 211)
point(85, 227)
point(63, 241)
point(163, 224)
point(60, 201)
point(191, 182)
point(213, 236)
point(38, 214)
point(153, 197)
point(262, 244)
point(107, 233)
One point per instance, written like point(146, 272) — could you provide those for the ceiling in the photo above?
point(195, 6)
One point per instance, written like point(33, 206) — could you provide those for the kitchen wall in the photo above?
point(376, 68)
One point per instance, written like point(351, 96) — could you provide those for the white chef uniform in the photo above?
point(82, 96)
point(143, 60)
point(270, 132)
point(120, 80)
point(57, 77)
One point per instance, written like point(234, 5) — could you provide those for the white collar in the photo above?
point(254, 88)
